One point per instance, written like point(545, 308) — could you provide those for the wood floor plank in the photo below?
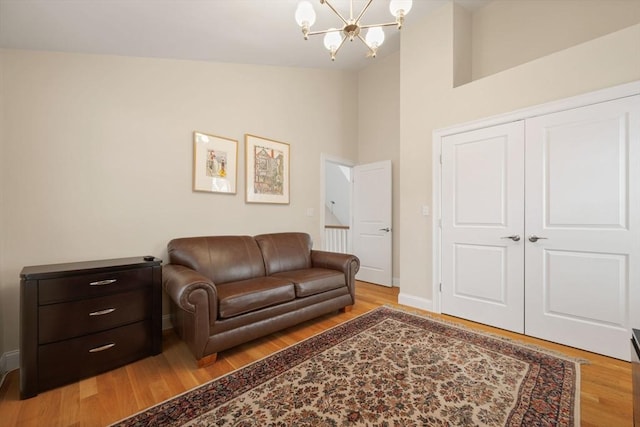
point(70, 416)
point(88, 387)
point(606, 391)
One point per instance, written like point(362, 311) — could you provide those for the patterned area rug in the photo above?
point(386, 367)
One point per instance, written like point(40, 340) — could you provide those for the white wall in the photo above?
point(337, 190)
point(379, 130)
point(429, 101)
point(97, 154)
point(509, 33)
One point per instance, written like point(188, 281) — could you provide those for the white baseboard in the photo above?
point(8, 362)
point(416, 302)
point(166, 322)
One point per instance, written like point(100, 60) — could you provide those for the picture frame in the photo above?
point(215, 163)
point(267, 170)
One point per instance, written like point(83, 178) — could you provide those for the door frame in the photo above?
point(324, 159)
point(608, 94)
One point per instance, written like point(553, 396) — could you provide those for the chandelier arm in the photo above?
point(366, 44)
point(388, 24)
point(351, 28)
point(364, 9)
point(341, 43)
point(315, 33)
point(336, 12)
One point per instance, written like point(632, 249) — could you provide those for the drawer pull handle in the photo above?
point(102, 348)
point(102, 312)
point(103, 282)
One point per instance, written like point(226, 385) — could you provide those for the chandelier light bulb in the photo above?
point(375, 37)
point(332, 39)
point(305, 15)
point(400, 8)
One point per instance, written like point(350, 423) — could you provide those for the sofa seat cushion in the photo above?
point(241, 297)
point(311, 281)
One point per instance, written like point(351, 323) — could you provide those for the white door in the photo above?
point(583, 202)
point(372, 241)
point(482, 226)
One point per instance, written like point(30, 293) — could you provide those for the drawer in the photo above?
point(92, 285)
point(68, 361)
point(57, 322)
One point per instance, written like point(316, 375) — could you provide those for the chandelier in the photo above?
point(334, 38)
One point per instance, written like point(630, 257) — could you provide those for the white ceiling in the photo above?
point(239, 31)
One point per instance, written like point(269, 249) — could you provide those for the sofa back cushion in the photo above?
point(221, 258)
point(285, 251)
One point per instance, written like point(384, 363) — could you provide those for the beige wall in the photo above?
point(507, 33)
point(97, 154)
point(379, 130)
point(3, 300)
point(428, 101)
point(462, 46)
point(96, 151)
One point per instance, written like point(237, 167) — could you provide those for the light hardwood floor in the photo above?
point(606, 390)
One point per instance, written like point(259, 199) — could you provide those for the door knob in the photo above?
point(515, 237)
point(387, 229)
point(533, 238)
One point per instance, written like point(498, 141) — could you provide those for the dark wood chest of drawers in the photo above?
point(80, 319)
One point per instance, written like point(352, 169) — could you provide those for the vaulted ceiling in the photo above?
point(239, 31)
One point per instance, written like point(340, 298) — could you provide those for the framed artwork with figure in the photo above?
point(215, 163)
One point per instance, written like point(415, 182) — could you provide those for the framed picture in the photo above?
point(215, 163)
point(267, 170)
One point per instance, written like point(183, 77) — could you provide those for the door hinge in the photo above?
point(440, 158)
point(440, 286)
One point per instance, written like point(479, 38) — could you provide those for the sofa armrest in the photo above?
point(347, 263)
point(191, 291)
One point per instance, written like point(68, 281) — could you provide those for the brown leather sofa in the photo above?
point(227, 290)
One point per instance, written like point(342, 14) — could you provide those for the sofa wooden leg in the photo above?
point(346, 309)
point(207, 360)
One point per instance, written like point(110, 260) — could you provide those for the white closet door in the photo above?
point(583, 201)
point(482, 203)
